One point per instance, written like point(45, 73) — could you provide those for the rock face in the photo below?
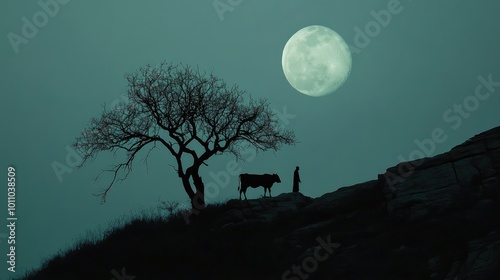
point(466, 175)
point(463, 184)
point(434, 218)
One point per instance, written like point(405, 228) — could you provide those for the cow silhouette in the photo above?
point(255, 180)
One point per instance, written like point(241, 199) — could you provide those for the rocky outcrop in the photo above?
point(433, 218)
point(262, 210)
point(467, 175)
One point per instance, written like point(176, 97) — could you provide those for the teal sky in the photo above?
point(411, 72)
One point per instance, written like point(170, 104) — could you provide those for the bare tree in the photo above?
point(193, 115)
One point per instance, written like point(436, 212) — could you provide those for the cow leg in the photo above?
point(245, 193)
point(240, 195)
point(270, 193)
point(265, 190)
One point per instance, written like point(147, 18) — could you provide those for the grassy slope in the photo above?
point(151, 248)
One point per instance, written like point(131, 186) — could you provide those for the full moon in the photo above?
point(316, 61)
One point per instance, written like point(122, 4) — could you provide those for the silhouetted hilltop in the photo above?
point(436, 218)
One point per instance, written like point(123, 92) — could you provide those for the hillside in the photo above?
point(436, 218)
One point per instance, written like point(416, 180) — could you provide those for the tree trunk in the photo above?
point(187, 186)
point(198, 200)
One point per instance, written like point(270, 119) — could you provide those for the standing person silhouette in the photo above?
point(296, 180)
